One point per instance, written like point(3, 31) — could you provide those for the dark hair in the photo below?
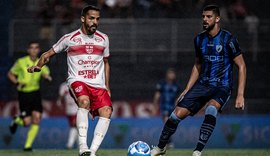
point(213, 8)
point(33, 42)
point(170, 70)
point(87, 8)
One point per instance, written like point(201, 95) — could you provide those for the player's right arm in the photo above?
point(45, 57)
point(193, 77)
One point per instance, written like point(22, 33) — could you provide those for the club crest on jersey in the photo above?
point(219, 48)
point(77, 40)
point(78, 89)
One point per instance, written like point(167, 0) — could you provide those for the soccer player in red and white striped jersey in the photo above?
point(88, 76)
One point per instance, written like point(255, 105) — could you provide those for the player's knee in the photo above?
point(175, 119)
point(36, 121)
point(83, 103)
point(106, 112)
point(211, 110)
point(181, 113)
point(27, 121)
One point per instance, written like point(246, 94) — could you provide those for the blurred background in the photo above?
point(146, 38)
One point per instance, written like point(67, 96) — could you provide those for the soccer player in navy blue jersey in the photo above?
point(210, 83)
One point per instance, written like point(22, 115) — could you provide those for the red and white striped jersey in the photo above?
point(85, 54)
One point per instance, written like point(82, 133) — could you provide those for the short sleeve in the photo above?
point(15, 69)
point(234, 48)
point(45, 70)
point(106, 53)
point(61, 45)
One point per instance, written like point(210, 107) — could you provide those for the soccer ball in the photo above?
point(139, 148)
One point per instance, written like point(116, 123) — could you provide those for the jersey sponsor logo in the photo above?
point(88, 62)
point(213, 58)
point(88, 74)
point(78, 89)
point(219, 48)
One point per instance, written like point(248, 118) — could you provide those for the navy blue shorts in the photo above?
point(197, 97)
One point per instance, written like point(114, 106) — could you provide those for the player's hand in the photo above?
point(34, 69)
point(240, 102)
point(20, 85)
point(48, 78)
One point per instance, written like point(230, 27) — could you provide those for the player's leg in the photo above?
point(104, 107)
point(36, 111)
point(220, 98)
point(189, 105)
point(33, 130)
point(73, 132)
point(81, 95)
point(24, 119)
point(171, 124)
point(169, 129)
point(207, 126)
point(165, 116)
point(82, 122)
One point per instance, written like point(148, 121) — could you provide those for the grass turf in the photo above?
point(122, 152)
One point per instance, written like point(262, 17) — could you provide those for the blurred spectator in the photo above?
point(116, 8)
point(142, 8)
point(252, 22)
point(46, 15)
point(165, 96)
point(238, 9)
point(65, 100)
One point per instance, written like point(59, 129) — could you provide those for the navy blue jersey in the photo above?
point(168, 95)
point(216, 55)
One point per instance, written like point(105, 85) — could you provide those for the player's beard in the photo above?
point(91, 29)
point(208, 27)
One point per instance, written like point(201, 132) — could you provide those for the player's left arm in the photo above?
point(107, 74)
point(240, 100)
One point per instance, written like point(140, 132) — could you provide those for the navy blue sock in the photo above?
point(206, 130)
point(168, 130)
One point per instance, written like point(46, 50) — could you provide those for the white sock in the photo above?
point(82, 126)
point(99, 133)
point(72, 137)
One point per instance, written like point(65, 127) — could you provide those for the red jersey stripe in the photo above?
point(85, 49)
point(76, 34)
point(96, 33)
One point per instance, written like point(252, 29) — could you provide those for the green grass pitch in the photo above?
point(123, 152)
